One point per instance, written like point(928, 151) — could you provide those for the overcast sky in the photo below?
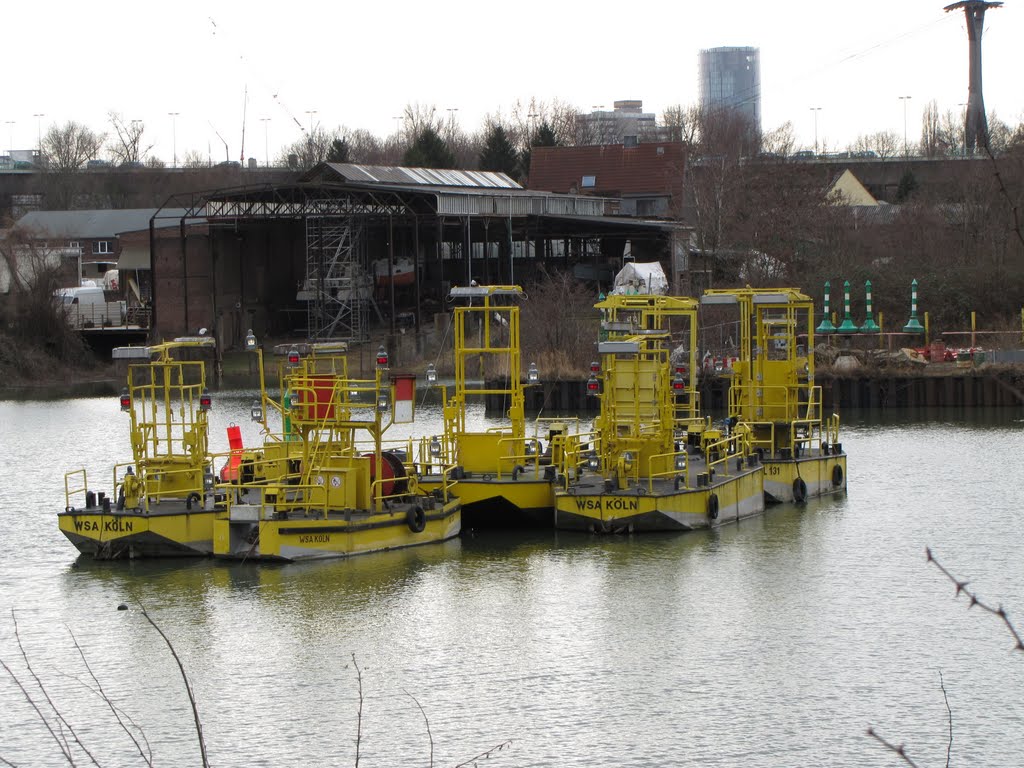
point(357, 64)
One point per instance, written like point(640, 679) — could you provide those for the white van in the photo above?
point(87, 307)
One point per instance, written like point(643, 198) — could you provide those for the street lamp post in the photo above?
point(39, 133)
point(451, 120)
point(310, 112)
point(398, 120)
point(174, 135)
point(266, 144)
point(905, 99)
point(815, 110)
point(10, 140)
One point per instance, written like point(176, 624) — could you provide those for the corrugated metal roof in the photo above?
point(438, 177)
point(93, 224)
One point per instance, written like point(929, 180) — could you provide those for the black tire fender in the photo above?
point(799, 490)
point(713, 506)
point(416, 519)
point(837, 476)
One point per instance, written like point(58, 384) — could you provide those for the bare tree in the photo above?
point(681, 123)
point(417, 118)
point(885, 143)
point(313, 148)
point(933, 143)
point(128, 145)
point(68, 147)
point(559, 115)
point(780, 141)
point(195, 159)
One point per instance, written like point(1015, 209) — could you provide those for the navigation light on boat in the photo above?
point(595, 367)
point(680, 461)
point(295, 399)
point(532, 374)
point(208, 481)
point(383, 402)
point(126, 400)
point(382, 357)
point(293, 356)
point(531, 447)
point(435, 446)
point(627, 460)
point(205, 401)
point(677, 382)
point(593, 462)
point(256, 411)
point(431, 374)
point(681, 370)
point(250, 341)
point(593, 385)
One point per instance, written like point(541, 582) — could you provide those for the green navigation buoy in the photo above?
point(847, 326)
point(869, 326)
point(826, 324)
point(913, 324)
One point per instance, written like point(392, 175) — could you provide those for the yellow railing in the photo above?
point(669, 460)
point(69, 492)
point(776, 403)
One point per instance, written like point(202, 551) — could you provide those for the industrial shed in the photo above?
point(343, 246)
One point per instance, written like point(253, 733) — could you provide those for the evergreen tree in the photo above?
point(498, 153)
point(339, 151)
point(543, 136)
point(428, 150)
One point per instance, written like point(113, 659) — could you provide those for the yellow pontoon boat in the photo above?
point(325, 485)
point(652, 463)
point(162, 501)
point(774, 396)
point(504, 477)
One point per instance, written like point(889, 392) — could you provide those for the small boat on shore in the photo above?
point(772, 393)
point(325, 485)
point(161, 503)
point(652, 463)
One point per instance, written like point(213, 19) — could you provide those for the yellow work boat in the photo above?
point(652, 463)
point(162, 502)
point(505, 477)
point(325, 485)
point(774, 396)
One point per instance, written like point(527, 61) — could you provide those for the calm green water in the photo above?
point(772, 643)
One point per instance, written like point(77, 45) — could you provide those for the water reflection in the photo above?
point(771, 642)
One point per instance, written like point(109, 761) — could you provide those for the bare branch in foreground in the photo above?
point(961, 586)
point(116, 712)
point(188, 686)
point(485, 755)
point(949, 711)
point(430, 736)
point(899, 750)
point(61, 722)
point(359, 714)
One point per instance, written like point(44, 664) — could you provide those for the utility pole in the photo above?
point(39, 134)
point(815, 110)
point(975, 122)
point(174, 135)
point(266, 144)
point(905, 99)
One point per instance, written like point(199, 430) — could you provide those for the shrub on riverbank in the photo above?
point(36, 342)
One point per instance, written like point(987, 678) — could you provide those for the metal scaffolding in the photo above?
point(338, 287)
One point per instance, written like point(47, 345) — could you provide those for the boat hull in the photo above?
point(808, 477)
point(489, 503)
point(129, 534)
point(337, 535)
point(587, 507)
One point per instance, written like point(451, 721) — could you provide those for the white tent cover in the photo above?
point(641, 278)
